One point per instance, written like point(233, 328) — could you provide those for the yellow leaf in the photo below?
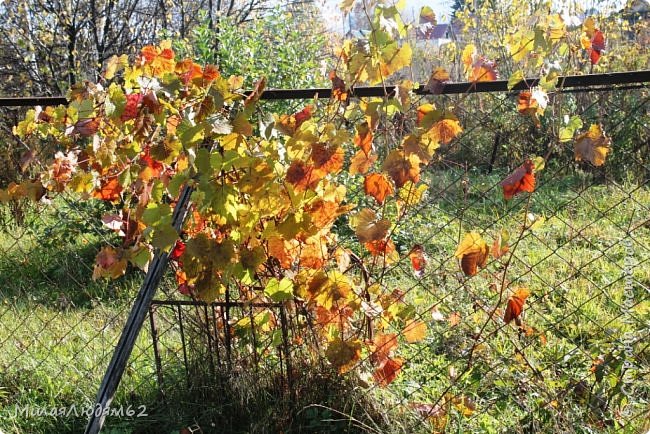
point(472, 243)
point(415, 331)
point(592, 145)
point(343, 355)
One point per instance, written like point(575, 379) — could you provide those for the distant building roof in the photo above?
point(428, 31)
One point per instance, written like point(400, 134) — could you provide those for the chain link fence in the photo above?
point(576, 360)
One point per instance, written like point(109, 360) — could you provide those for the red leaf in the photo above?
point(515, 305)
point(177, 251)
point(131, 108)
point(597, 46)
point(388, 372)
point(418, 260)
point(522, 179)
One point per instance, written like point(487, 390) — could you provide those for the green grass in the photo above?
point(58, 328)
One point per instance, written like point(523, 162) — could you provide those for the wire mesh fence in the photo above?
point(575, 359)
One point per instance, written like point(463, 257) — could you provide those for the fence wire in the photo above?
point(579, 362)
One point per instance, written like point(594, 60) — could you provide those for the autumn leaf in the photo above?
point(473, 252)
point(445, 130)
point(381, 248)
point(288, 124)
point(367, 227)
point(255, 95)
point(177, 251)
point(464, 405)
point(339, 92)
point(327, 159)
point(109, 263)
point(363, 137)
point(362, 162)
point(414, 331)
point(343, 355)
point(151, 168)
point(477, 68)
point(158, 60)
point(302, 175)
point(109, 190)
point(592, 145)
point(418, 260)
point(84, 127)
point(532, 103)
point(388, 372)
point(114, 65)
point(515, 305)
point(130, 111)
point(381, 348)
point(592, 40)
point(522, 179)
point(437, 81)
point(402, 168)
point(378, 186)
point(500, 244)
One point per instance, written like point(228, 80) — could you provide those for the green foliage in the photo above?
point(287, 47)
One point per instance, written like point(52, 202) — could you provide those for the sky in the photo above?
point(334, 18)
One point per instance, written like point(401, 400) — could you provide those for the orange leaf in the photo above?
point(382, 346)
point(473, 252)
point(418, 260)
point(256, 93)
point(402, 168)
point(339, 91)
point(522, 179)
point(380, 247)
point(109, 263)
point(483, 70)
point(303, 176)
point(592, 145)
point(211, 72)
point(515, 305)
point(437, 80)
point(109, 190)
point(597, 46)
point(152, 168)
point(388, 372)
point(415, 331)
point(454, 319)
point(327, 158)
point(362, 162)
point(500, 245)
point(378, 186)
point(446, 130)
point(288, 124)
point(323, 212)
point(363, 137)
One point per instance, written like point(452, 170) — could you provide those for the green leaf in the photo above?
point(164, 237)
point(515, 78)
point(279, 291)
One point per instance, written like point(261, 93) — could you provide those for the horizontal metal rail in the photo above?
point(588, 82)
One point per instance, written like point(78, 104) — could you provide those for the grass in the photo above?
point(58, 327)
